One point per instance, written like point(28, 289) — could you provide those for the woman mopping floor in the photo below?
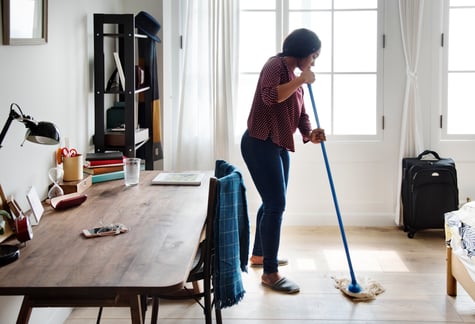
point(276, 113)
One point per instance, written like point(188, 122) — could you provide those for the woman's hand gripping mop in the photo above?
point(368, 289)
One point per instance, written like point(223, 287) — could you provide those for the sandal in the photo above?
point(283, 285)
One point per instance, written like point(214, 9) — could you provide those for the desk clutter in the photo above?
point(97, 167)
point(104, 166)
point(13, 222)
point(68, 200)
point(72, 162)
point(18, 223)
point(66, 190)
point(62, 193)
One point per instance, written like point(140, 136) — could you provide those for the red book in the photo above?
point(102, 162)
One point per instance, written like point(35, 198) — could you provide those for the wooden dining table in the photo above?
point(60, 267)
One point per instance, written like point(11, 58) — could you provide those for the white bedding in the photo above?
point(460, 234)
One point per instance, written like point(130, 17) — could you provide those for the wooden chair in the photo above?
point(202, 271)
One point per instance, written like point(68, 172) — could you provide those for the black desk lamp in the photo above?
point(37, 132)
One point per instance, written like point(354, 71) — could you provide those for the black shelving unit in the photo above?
point(124, 35)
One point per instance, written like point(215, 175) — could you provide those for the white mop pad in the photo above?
point(369, 288)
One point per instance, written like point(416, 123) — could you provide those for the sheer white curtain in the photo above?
point(204, 118)
point(225, 72)
point(411, 143)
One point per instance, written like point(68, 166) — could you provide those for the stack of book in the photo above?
point(104, 166)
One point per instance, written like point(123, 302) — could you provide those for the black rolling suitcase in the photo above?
point(429, 189)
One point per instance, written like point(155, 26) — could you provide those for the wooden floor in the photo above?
point(411, 270)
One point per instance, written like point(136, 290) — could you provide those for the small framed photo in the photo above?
point(15, 210)
point(35, 205)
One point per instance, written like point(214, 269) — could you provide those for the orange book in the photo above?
point(104, 169)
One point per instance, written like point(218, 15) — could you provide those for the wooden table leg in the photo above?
point(134, 302)
point(155, 305)
point(25, 311)
point(136, 309)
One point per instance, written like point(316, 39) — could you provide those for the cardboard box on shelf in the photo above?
point(118, 138)
point(78, 186)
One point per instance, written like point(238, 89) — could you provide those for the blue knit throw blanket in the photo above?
point(231, 228)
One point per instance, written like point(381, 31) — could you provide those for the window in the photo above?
point(346, 86)
point(460, 64)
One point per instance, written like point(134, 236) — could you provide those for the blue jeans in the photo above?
point(268, 165)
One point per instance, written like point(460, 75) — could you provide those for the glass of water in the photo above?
point(131, 171)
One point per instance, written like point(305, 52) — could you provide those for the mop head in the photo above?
point(369, 289)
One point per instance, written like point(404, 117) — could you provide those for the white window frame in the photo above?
point(444, 114)
point(282, 26)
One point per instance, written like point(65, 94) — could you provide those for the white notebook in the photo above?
point(178, 178)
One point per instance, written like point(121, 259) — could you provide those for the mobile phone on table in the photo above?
point(104, 231)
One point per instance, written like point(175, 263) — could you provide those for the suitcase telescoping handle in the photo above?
point(426, 152)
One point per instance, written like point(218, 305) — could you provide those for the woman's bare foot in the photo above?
point(270, 278)
point(258, 261)
point(255, 259)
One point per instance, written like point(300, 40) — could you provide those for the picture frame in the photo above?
point(25, 22)
point(15, 210)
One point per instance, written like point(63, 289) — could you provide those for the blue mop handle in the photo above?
point(354, 285)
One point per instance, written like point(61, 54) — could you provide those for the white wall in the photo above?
point(50, 82)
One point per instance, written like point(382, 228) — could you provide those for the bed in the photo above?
point(460, 239)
